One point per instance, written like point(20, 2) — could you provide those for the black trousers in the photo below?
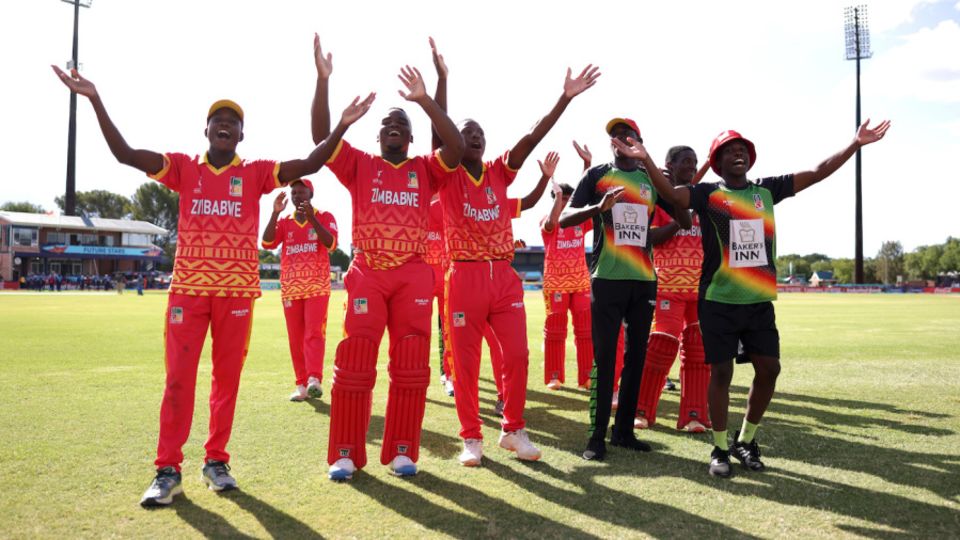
point(613, 302)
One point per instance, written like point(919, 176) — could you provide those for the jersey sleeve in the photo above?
point(586, 191)
point(170, 175)
point(780, 187)
point(268, 173)
point(439, 171)
point(343, 163)
point(503, 168)
point(515, 206)
point(699, 194)
point(330, 224)
point(278, 233)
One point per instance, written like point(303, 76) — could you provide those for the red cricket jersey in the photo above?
point(304, 261)
point(218, 225)
point(436, 242)
point(390, 203)
point(565, 262)
point(678, 260)
point(477, 213)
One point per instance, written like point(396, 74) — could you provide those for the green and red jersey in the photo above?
point(620, 240)
point(739, 239)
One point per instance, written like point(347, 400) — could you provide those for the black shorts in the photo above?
point(730, 330)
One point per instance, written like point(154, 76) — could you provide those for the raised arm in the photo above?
point(451, 148)
point(584, 154)
point(553, 218)
point(441, 95)
point(326, 237)
point(865, 135)
point(678, 197)
point(320, 108)
point(571, 89)
point(298, 168)
point(547, 167)
point(145, 160)
point(270, 231)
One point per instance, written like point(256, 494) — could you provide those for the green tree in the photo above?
point(154, 203)
point(843, 270)
point(269, 257)
point(950, 259)
point(822, 265)
point(890, 262)
point(22, 206)
point(99, 203)
point(799, 266)
point(339, 258)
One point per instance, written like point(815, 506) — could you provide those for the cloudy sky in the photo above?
point(684, 70)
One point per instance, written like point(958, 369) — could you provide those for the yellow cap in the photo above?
point(225, 104)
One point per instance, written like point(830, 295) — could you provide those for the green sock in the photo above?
point(747, 432)
point(720, 440)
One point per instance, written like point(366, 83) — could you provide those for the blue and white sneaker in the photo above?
point(216, 475)
point(163, 488)
point(342, 470)
point(403, 466)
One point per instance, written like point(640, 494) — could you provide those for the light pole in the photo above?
point(858, 46)
point(70, 198)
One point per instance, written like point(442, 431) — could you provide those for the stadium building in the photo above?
point(74, 245)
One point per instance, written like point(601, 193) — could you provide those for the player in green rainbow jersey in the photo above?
point(738, 282)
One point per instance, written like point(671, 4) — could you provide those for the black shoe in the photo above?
point(748, 453)
point(629, 441)
point(720, 462)
point(596, 450)
point(669, 386)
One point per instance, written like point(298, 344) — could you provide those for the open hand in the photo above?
point(549, 165)
point(867, 135)
point(357, 109)
point(413, 80)
point(583, 152)
point(324, 63)
point(631, 149)
point(611, 197)
point(586, 79)
point(280, 203)
point(75, 82)
point(305, 210)
point(438, 60)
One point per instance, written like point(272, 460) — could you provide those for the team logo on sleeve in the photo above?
point(412, 181)
point(459, 319)
point(360, 306)
point(312, 234)
point(757, 201)
point(236, 186)
point(491, 198)
point(176, 315)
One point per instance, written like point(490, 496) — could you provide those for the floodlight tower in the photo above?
point(858, 46)
point(70, 198)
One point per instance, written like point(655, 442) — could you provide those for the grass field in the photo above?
point(861, 439)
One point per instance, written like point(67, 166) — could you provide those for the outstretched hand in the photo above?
point(631, 149)
point(611, 197)
point(586, 79)
point(867, 135)
point(324, 63)
point(438, 62)
point(549, 165)
point(280, 203)
point(583, 152)
point(357, 109)
point(75, 82)
point(413, 80)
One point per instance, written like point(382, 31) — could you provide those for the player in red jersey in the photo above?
point(389, 286)
point(566, 286)
point(677, 256)
point(738, 278)
point(307, 237)
point(215, 276)
point(482, 286)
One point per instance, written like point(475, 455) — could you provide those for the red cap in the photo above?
point(724, 138)
point(303, 181)
point(626, 121)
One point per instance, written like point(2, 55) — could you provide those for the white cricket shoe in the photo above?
point(314, 389)
point(518, 441)
point(341, 470)
point(300, 394)
point(403, 466)
point(472, 453)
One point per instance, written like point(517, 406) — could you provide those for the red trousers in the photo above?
point(399, 300)
point(480, 294)
point(446, 351)
point(188, 318)
point(307, 334)
point(555, 334)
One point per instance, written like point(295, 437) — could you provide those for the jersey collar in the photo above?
point(234, 162)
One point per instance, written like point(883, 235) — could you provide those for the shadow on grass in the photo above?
point(207, 523)
point(278, 524)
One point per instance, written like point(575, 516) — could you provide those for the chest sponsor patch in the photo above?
point(747, 244)
point(630, 224)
